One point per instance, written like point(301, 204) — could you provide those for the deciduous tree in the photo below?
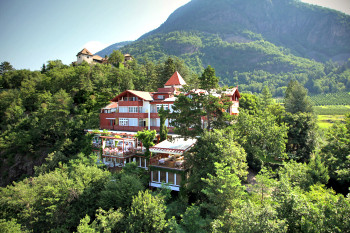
point(147, 213)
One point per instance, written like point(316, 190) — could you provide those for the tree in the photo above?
point(167, 71)
point(296, 99)
point(116, 57)
point(249, 102)
point(186, 116)
point(5, 67)
point(266, 97)
point(191, 221)
point(216, 146)
point(163, 115)
point(11, 226)
point(318, 171)
point(117, 194)
point(223, 190)
point(250, 217)
point(262, 137)
point(146, 138)
point(147, 213)
point(336, 153)
point(105, 221)
point(195, 109)
point(302, 135)
point(208, 80)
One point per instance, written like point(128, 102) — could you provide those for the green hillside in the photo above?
point(255, 43)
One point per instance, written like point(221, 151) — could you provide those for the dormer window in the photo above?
point(160, 97)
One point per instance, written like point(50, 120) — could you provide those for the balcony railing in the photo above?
point(174, 162)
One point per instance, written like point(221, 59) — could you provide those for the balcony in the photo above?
point(130, 103)
point(168, 161)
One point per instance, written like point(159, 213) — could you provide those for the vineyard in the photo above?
point(340, 98)
point(332, 110)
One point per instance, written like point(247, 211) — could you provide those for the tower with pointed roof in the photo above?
point(175, 81)
point(84, 55)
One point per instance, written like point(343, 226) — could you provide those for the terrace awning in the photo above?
point(176, 146)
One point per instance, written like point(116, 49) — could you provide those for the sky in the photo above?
point(36, 31)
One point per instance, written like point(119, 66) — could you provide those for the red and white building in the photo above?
point(133, 111)
point(137, 110)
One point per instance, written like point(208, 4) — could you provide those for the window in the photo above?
point(178, 179)
point(160, 97)
point(162, 176)
point(133, 109)
point(142, 122)
point(111, 122)
point(155, 176)
point(133, 121)
point(153, 122)
point(170, 178)
point(159, 106)
point(123, 121)
point(165, 107)
point(123, 109)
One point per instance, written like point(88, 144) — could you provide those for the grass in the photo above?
point(329, 114)
point(326, 121)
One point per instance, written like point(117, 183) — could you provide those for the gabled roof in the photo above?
point(97, 57)
point(175, 79)
point(141, 94)
point(85, 52)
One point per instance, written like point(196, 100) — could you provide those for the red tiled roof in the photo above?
point(85, 51)
point(175, 79)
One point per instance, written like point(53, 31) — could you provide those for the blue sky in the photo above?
point(35, 31)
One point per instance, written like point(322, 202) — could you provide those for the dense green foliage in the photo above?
point(43, 116)
point(47, 111)
point(147, 139)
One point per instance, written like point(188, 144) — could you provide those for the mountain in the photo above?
point(309, 31)
point(254, 42)
point(108, 50)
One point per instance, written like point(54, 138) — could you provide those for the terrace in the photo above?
point(116, 152)
point(169, 154)
point(168, 161)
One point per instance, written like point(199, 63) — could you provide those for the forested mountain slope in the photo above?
point(254, 43)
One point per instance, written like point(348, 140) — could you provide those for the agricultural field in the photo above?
point(332, 109)
point(340, 98)
point(329, 108)
point(326, 121)
point(329, 114)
